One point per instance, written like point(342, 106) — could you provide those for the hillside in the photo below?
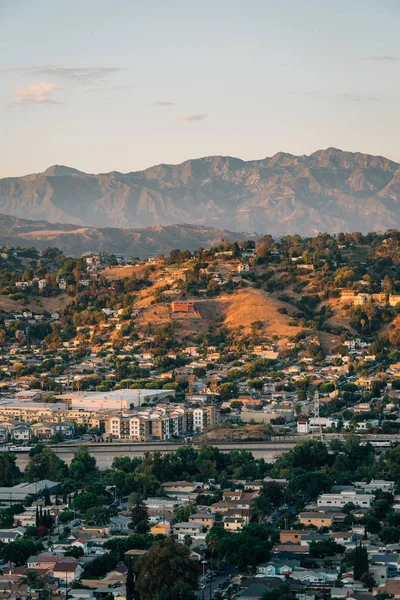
point(75, 240)
point(330, 190)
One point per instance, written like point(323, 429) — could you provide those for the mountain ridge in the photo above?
point(329, 190)
point(75, 240)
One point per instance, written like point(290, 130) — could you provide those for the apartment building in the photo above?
point(201, 418)
point(124, 427)
point(341, 499)
point(162, 422)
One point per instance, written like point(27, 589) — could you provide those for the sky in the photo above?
point(103, 85)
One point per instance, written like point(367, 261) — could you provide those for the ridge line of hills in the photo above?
point(75, 240)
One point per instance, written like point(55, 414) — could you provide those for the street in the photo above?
point(212, 586)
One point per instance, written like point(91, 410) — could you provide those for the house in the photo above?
point(394, 299)
point(254, 591)
point(119, 524)
point(290, 548)
point(10, 535)
point(42, 430)
point(205, 519)
point(42, 562)
point(186, 528)
point(316, 577)
point(21, 433)
point(183, 306)
point(67, 570)
point(318, 519)
point(66, 429)
point(160, 529)
point(198, 553)
point(234, 523)
point(343, 537)
point(226, 495)
point(279, 568)
point(178, 487)
point(392, 587)
point(45, 430)
point(292, 536)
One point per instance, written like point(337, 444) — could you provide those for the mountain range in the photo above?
point(329, 190)
point(75, 240)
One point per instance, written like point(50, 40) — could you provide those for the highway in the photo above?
point(105, 452)
point(270, 450)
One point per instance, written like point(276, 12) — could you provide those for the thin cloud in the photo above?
point(194, 117)
point(81, 75)
point(381, 58)
point(36, 93)
point(163, 103)
point(110, 88)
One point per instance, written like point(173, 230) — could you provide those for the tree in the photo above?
point(120, 545)
point(228, 391)
point(9, 472)
point(273, 492)
point(368, 580)
point(390, 535)
point(250, 546)
point(33, 581)
point(98, 515)
point(283, 592)
point(360, 562)
point(75, 552)
point(44, 464)
point(309, 485)
point(83, 465)
point(325, 548)
point(7, 515)
point(19, 551)
point(130, 582)
point(101, 565)
point(182, 513)
point(140, 517)
point(46, 496)
point(181, 591)
point(87, 500)
point(166, 565)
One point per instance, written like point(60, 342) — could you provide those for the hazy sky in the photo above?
point(105, 85)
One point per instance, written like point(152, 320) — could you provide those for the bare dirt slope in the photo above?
point(38, 305)
point(247, 306)
point(222, 434)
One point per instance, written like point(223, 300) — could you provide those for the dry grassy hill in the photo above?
point(238, 310)
point(249, 305)
point(38, 305)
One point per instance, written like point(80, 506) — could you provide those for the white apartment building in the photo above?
point(343, 498)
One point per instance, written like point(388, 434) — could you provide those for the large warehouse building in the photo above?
point(116, 400)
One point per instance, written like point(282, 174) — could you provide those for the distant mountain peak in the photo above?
point(60, 170)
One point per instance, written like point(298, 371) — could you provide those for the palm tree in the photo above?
point(33, 581)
